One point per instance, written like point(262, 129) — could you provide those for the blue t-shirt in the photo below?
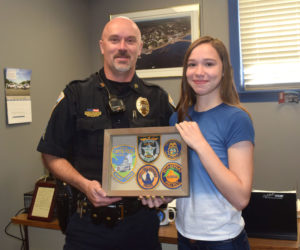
point(206, 214)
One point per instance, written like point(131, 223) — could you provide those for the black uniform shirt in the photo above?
point(76, 126)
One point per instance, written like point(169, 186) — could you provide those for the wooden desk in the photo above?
point(167, 234)
point(21, 219)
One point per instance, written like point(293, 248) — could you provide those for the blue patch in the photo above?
point(147, 177)
point(172, 149)
point(123, 161)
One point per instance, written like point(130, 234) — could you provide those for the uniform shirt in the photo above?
point(206, 214)
point(76, 127)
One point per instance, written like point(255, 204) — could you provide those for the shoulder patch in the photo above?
point(60, 97)
point(171, 101)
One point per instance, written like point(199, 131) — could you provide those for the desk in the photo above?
point(167, 234)
point(21, 219)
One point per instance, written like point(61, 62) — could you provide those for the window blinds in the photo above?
point(270, 43)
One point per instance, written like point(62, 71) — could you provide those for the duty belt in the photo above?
point(109, 215)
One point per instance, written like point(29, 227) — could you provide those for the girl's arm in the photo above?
point(235, 182)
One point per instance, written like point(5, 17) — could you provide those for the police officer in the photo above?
point(72, 144)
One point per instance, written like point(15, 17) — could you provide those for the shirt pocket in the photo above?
point(90, 132)
point(143, 122)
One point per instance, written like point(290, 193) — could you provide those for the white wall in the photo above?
point(52, 38)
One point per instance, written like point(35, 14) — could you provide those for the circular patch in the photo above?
point(172, 149)
point(171, 175)
point(147, 177)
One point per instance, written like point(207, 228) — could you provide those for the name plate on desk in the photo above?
point(271, 214)
point(145, 161)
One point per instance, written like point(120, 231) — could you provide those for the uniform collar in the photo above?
point(136, 83)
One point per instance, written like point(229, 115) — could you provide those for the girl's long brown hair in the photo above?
point(228, 91)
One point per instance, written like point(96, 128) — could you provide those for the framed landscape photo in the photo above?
point(166, 35)
point(43, 201)
point(145, 161)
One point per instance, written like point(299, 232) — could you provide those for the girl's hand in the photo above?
point(190, 133)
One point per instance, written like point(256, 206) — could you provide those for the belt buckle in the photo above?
point(121, 210)
point(121, 206)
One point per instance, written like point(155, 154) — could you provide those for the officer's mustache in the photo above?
point(122, 55)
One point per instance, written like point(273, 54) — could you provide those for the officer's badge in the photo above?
point(92, 112)
point(172, 149)
point(142, 105)
point(123, 160)
point(149, 148)
point(171, 175)
point(147, 177)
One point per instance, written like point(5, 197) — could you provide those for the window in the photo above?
point(265, 46)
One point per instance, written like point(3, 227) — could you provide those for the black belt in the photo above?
point(109, 215)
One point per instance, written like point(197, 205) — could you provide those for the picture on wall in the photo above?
point(17, 91)
point(166, 35)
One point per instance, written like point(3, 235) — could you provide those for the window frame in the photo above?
point(236, 61)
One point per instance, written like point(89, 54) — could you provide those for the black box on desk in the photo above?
point(271, 214)
point(27, 200)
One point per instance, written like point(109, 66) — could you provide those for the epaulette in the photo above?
point(163, 90)
point(80, 81)
point(151, 84)
point(76, 81)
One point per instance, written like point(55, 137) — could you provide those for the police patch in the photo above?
point(171, 175)
point(172, 149)
point(147, 177)
point(171, 101)
point(149, 148)
point(123, 160)
point(59, 99)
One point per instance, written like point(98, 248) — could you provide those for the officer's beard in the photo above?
point(122, 68)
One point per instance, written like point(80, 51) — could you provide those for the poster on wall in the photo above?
point(17, 92)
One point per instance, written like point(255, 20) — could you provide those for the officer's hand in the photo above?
point(97, 196)
point(154, 201)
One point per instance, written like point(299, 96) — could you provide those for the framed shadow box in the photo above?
point(43, 201)
point(145, 161)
